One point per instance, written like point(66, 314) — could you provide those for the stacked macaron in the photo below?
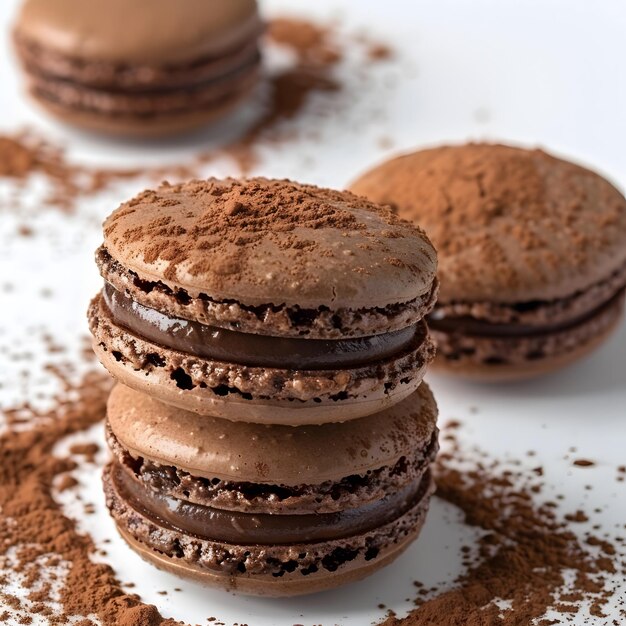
point(138, 68)
point(269, 432)
point(532, 253)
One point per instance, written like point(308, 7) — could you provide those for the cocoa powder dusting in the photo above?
point(536, 222)
point(25, 154)
point(316, 55)
point(216, 225)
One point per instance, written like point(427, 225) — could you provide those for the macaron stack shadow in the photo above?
point(147, 67)
point(532, 254)
point(269, 432)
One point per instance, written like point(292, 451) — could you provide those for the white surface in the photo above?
point(537, 72)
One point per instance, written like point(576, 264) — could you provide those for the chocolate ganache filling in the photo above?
point(221, 344)
point(253, 528)
point(471, 326)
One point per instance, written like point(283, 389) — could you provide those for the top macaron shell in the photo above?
point(272, 242)
point(216, 448)
point(510, 225)
point(150, 32)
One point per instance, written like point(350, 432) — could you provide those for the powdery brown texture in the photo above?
point(510, 225)
point(240, 213)
point(311, 42)
point(236, 212)
point(316, 52)
point(25, 154)
point(255, 241)
point(34, 525)
point(522, 554)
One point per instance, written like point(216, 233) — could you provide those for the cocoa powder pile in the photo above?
point(36, 536)
point(522, 557)
point(316, 51)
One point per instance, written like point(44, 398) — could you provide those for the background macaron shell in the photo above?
point(377, 261)
point(131, 126)
point(510, 225)
point(151, 32)
point(270, 454)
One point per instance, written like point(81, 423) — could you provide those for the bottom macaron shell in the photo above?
point(256, 586)
point(255, 394)
point(288, 413)
point(488, 359)
point(266, 570)
point(143, 126)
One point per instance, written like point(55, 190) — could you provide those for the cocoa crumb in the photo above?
point(583, 463)
point(578, 517)
point(379, 52)
point(67, 482)
point(88, 450)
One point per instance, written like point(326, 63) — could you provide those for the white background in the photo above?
point(547, 73)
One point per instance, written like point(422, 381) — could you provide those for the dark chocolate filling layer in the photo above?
point(212, 342)
point(136, 78)
point(471, 326)
point(245, 528)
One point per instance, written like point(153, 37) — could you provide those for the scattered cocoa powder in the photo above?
point(313, 43)
point(35, 528)
point(316, 53)
point(577, 516)
point(379, 52)
point(67, 482)
point(522, 558)
point(26, 154)
point(317, 49)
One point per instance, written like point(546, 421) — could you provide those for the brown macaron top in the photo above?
point(142, 32)
point(510, 225)
point(217, 448)
point(260, 241)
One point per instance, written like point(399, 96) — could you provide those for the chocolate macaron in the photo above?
point(269, 510)
point(264, 301)
point(532, 254)
point(139, 68)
